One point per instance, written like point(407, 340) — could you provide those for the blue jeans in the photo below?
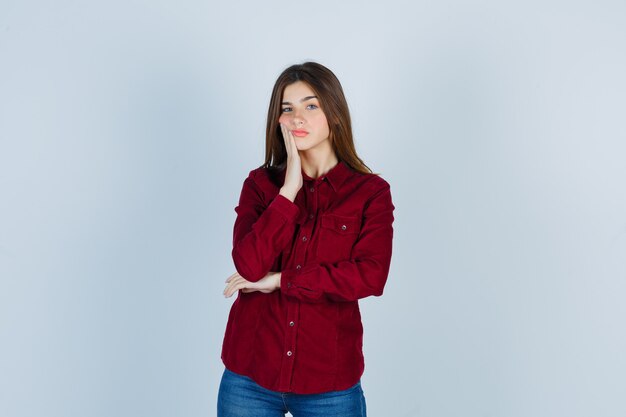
point(240, 396)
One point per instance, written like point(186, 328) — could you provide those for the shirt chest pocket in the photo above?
point(337, 235)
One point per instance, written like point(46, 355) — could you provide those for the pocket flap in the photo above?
point(340, 224)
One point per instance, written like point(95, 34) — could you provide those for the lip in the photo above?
point(299, 133)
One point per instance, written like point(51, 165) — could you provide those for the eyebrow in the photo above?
point(304, 99)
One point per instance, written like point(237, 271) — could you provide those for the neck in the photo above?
point(317, 164)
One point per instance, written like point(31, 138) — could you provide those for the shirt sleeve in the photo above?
point(363, 275)
point(261, 232)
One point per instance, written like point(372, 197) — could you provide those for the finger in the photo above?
point(229, 293)
point(230, 284)
point(230, 290)
point(233, 282)
point(230, 278)
point(292, 143)
point(239, 286)
point(286, 133)
point(235, 285)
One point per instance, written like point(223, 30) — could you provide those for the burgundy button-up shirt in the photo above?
point(333, 246)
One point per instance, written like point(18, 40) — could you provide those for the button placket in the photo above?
point(299, 257)
point(289, 346)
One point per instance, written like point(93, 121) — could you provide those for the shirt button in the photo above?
point(289, 285)
point(304, 238)
point(291, 323)
point(298, 266)
point(289, 353)
point(311, 189)
point(343, 227)
point(311, 216)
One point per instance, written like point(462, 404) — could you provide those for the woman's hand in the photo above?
point(293, 174)
point(267, 284)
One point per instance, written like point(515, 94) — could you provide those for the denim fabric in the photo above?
point(240, 396)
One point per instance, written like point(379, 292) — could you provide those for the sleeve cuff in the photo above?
point(287, 285)
point(284, 206)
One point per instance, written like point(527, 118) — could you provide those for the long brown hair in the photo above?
point(334, 105)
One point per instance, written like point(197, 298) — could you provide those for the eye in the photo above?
point(286, 109)
point(312, 107)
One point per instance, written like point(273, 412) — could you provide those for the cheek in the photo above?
point(283, 119)
point(322, 123)
point(321, 120)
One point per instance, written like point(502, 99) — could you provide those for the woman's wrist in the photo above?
point(289, 195)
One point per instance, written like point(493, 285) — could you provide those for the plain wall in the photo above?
point(128, 127)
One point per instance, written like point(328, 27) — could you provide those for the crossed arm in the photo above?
point(293, 183)
point(363, 275)
point(267, 284)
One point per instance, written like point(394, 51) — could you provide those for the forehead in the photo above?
point(296, 91)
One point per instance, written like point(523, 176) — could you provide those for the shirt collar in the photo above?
point(336, 176)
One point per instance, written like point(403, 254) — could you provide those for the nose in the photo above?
point(298, 120)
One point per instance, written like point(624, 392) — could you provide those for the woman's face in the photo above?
point(302, 115)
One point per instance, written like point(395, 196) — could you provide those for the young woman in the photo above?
point(313, 235)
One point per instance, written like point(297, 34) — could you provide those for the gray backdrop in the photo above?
point(127, 128)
